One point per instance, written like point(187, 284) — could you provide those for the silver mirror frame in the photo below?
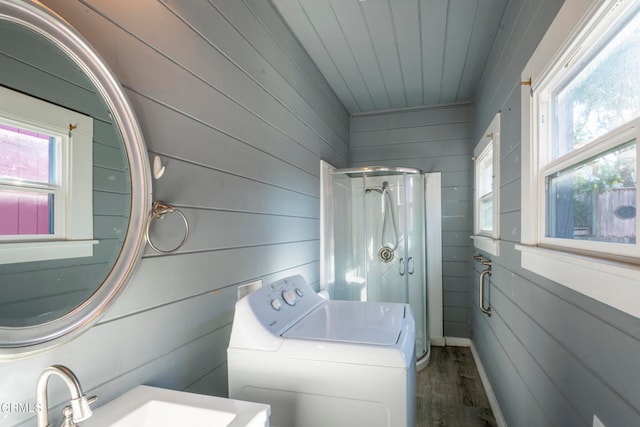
point(19, 342)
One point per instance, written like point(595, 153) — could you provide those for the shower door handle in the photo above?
point(401, 266)
point(410, 265)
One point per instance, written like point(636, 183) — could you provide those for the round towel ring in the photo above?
point(158, 210)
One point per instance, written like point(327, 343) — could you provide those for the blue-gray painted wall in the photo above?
point(553, 356)
point(241, 116)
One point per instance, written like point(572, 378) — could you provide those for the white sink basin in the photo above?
point(146, 406)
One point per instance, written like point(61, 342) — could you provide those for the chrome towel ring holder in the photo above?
point(158, 210)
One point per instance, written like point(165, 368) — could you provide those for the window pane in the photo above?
point(485, 172)
point(603, 95)
point(25, 155)
point(486, 214)
point(25, 212)
point(595, 200)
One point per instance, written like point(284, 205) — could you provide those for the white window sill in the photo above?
point(613, 283)
point(486, 244)
point(11, 253)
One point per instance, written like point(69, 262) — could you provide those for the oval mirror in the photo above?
point(74, 182)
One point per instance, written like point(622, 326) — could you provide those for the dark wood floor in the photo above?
point(450, 392)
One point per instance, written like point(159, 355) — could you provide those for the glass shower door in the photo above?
point(377, 240)
point(393, 222)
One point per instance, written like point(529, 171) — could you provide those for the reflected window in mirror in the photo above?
point(29, 170)
point(45, 180)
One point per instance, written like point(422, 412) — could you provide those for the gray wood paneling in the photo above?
point(217, 29)
point(457, 178)
point(60, 81)
point(487, 23)
point(431, 139)
point(433, 14)
point(510, 165)
point(207, 272)
point(510, 196)
point(295, 16)
point(382, 32)
point(436, 115)
point(322, 19)
point(241, 116)
point(516, 38)
point(510, 226)
point(210, 188)
point(381, 54)
point(457, 45)
point(257, 159)
point(301, 71)
point(405, 150)
point(355, 31)
point(553, 356)
point(406, 24)
point(286, 75)
point(406, 134)
point(228, 97)
point(233, 229)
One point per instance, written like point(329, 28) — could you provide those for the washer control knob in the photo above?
point(300, 292)
point(289, 297)
point(276, 304)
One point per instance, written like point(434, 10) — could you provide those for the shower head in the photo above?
point(383, 189)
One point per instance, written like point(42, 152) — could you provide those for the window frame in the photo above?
point(604, 275)
point(486, 240)
point(57, 189)
point(73, 209)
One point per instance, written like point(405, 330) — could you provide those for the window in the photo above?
point(587, 119)
point(587, 125)
point(45, 180)
point(487, 186)
point(580, 127)
point(29, 183)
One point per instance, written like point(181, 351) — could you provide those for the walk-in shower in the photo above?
point(373, 239)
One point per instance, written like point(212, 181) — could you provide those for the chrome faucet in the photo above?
point(80, 410)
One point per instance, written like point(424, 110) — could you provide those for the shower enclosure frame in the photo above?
point(431, 261)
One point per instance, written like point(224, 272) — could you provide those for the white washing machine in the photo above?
point(323, 363)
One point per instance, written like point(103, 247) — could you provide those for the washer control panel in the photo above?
point(281, 304)
point(289, 297)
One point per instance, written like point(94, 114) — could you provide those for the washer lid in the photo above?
point(353, 322)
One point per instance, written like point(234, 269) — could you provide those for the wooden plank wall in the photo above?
point(554, 357)
point(241, 116)
point(434, 139)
